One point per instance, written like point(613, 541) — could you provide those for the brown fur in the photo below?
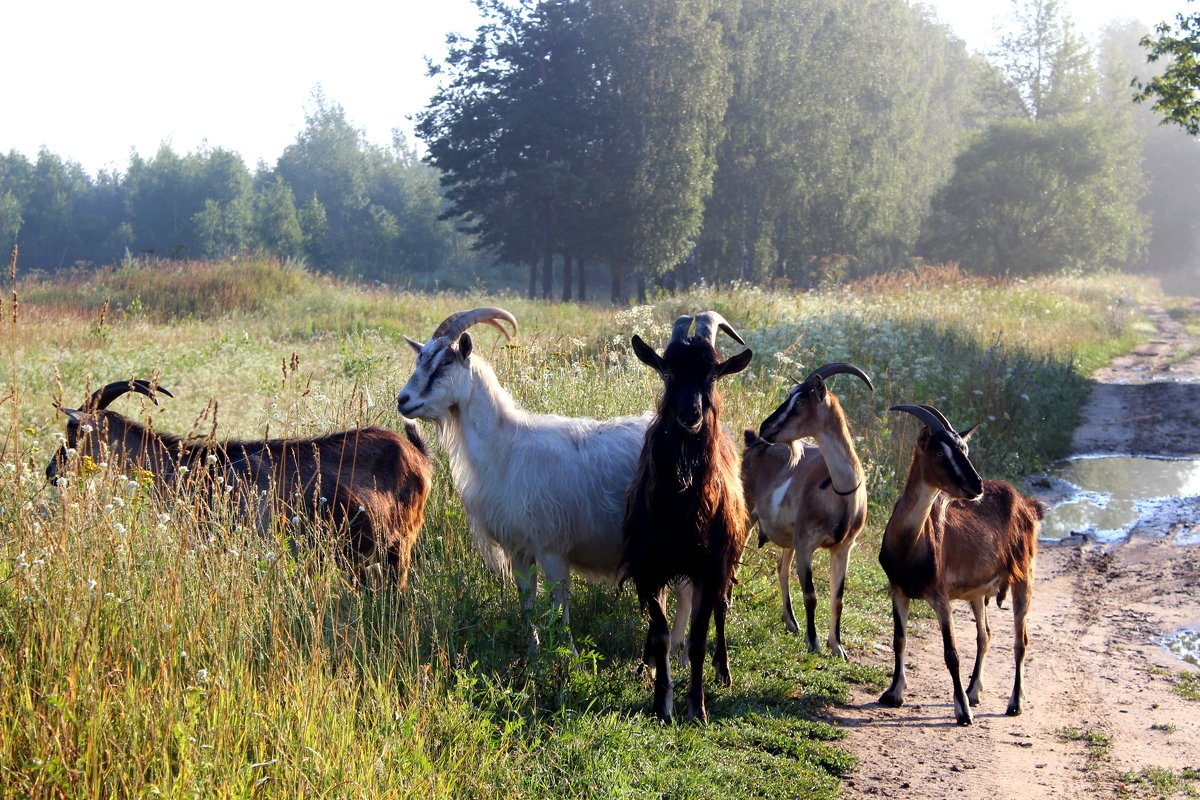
point(953, 536)
point(811, 513)
point(371, 482)
point(685, 514)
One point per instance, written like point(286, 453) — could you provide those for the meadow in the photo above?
point(149, 649)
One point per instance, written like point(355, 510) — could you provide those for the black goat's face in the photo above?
point(947, 465)
point(82, 429)
point(689, 369)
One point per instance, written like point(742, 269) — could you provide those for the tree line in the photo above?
point(666, 142)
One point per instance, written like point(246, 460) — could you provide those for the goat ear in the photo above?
point(465, 345)
point(73, 414)
point(969, 432)
point(646, 354)
point(923, 438)
point(818, 385)
point(735, 364)
point(415, 345)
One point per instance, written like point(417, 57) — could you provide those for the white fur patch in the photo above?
point(778, 496)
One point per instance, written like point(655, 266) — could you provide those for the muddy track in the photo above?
point(1094, 663)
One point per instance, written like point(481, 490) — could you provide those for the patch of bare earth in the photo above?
point(1095, 665)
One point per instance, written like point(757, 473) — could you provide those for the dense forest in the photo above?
point(668, 142)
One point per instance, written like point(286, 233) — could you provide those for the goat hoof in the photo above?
point(965, 719)
point(791, 625)
point(838, 651)
point(697, 714)
point(1013, 711)
point(891, 699)
point(723, 677)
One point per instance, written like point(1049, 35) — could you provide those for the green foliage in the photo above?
point(1031, 197)
point(148, 647)
point(1174, 91)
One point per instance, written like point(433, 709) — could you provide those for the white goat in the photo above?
point(539, 490)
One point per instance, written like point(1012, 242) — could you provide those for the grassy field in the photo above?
point(147, 649)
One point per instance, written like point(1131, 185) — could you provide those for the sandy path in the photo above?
point(1094, 663)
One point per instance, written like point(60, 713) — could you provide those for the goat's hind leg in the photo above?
point(804, 570)
point(785, 572)
point(721, 649)
point(1022, 593)
point(894, 696)
point(525, 574)
point(983, 638)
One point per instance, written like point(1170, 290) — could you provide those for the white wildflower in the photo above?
point(202, 675)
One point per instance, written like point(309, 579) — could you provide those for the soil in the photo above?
point(1096, 669)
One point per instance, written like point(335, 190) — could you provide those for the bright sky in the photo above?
point(93, 81)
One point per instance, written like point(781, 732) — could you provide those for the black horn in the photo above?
point(932, 419)
point(840, 368)
point(106, 394)
point(679, 331)
point(453, 325)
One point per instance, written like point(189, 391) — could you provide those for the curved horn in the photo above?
point(679, 330)
point(931, 420)
point(106, 394)
point(841, 368)
point(938, 414)
point(709, 322)
point(453, 325)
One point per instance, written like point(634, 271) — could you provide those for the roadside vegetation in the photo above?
point(151, 647)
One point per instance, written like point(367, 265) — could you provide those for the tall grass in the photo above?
point(151, 646)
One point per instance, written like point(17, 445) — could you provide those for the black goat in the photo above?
point(685, 516)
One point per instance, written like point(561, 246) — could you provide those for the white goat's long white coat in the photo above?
point(538, 489)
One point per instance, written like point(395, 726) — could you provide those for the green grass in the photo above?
point(1187, 685)
point(150, 647)
point(1098, 744)
point(1160, 782)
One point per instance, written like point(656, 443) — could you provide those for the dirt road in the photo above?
point(1099, 686)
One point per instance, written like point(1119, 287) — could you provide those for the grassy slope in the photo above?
point(145, 649)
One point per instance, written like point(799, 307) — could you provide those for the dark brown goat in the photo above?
point(685, 516)
point(954, 536)
point(370, 482)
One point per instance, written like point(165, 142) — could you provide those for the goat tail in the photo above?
point(414, 436)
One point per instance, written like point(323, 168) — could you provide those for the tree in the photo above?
point(1030, 197)
point(1050, 66)
point(1175, 90)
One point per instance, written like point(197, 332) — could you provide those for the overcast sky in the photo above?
point(93, 81)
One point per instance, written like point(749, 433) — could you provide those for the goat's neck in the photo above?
point(477, 431)
point(910, 517)
point(845, 470)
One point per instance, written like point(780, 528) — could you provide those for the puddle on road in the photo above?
point(1185, 645)
point(1106, 496)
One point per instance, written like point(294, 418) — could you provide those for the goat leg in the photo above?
point(804, 559)
point(658, 642)
point(1021, 593)
point(838, 561)
point(697, 646)
point(983, 637)
point(785, 569)
point(962, 708)
point(894, 696)
point(721, 649)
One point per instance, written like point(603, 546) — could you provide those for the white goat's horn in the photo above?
point(453, 325)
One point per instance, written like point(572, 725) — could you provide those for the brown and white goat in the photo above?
point(954, 536)
point(371, 482)
point(806, 497)
point(685, 517)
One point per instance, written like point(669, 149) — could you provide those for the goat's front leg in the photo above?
point(721, 650)
point(894, 696)
point(697, 645)
point(1022, 593)
point(658, 642)
point(839, 558)
point(525, 575)
point(983, 637)
point(962, 709)
point(558, 576)
point(804, 570)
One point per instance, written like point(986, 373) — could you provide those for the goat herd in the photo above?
point(658, 499)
